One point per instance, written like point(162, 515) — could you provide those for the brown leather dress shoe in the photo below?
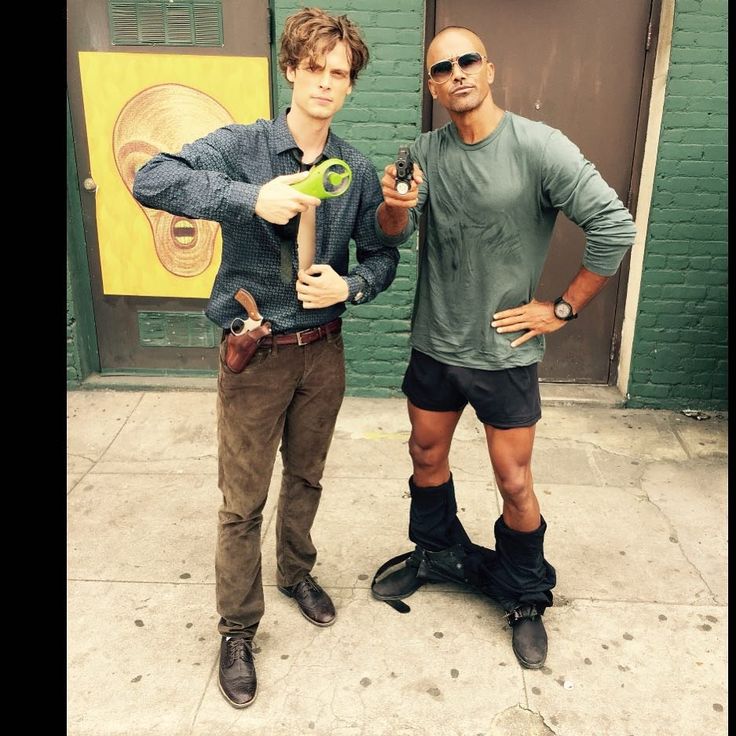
point(313, 602)
point(237, 671)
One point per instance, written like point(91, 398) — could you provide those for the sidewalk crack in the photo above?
point(675, 537)
point(82, 457)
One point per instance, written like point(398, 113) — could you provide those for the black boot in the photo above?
point(522, 582)
point(440, 544)
point(421, 566)
point(402, 582)
point(528, 637)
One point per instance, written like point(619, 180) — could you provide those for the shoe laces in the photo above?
point(310, 582)
point(238, 647)
point(528, 610)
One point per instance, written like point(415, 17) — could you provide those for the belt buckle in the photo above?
point(299, 337)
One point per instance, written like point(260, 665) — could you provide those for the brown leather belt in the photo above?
point(305, 336)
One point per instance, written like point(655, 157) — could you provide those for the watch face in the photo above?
point(562, 310)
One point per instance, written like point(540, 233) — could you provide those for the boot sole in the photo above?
point(240, 706)
point(530, 666)
point(301, 610)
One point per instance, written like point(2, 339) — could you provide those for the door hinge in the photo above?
point(649, 37)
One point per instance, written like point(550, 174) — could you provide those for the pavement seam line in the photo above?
point(137, 582)
point(122, 426)
point(681, 441)
point(600, 480)
point(204, 692)
point(81, 478)
point(525, 687)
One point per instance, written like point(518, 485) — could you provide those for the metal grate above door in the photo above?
point(162, 23)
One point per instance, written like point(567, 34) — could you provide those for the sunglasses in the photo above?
point(470, 63)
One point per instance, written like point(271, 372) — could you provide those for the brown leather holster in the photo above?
point(239, 349)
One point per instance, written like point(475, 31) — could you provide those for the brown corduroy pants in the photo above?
point(288, 394)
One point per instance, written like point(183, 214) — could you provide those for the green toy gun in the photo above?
point(331, 178)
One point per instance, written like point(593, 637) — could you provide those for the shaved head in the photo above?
point(452, 41)
point(466, 87)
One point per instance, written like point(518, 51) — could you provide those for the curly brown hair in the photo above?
point(311, 33)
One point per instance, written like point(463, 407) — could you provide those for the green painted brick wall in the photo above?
point(679, 357)
point(383, 111)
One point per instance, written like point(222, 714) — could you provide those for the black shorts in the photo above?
point(502, 399)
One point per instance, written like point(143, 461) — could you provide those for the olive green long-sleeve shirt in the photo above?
point(492, 207)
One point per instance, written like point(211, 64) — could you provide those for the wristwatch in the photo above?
point(563, 310)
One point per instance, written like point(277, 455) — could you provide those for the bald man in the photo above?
point(492, 183)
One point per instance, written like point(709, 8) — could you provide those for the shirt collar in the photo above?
point(284, 141)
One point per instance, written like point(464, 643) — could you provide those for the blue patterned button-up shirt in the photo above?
point(218, 178)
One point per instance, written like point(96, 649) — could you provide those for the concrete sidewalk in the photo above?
point(635, 502)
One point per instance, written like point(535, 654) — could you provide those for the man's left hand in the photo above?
point(536, 317)
point(320, 286)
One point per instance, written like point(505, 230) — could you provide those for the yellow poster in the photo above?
point(136, 105)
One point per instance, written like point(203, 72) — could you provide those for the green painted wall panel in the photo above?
point(683, 298)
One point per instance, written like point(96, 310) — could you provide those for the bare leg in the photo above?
point(511, 457)
point(521, 577)
point(429, 444)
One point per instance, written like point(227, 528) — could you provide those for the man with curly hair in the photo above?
point(290, 250)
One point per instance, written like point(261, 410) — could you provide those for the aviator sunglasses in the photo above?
point(470, 63)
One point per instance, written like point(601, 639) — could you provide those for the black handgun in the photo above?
point(404, 170)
